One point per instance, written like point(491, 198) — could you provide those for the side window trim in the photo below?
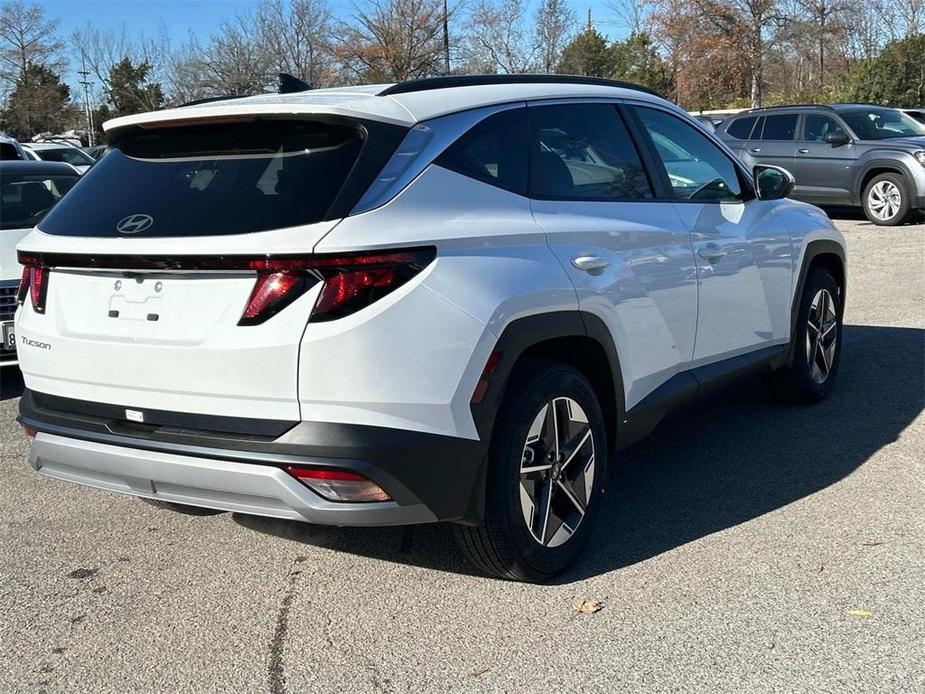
point(745, 181)
point(635, 140)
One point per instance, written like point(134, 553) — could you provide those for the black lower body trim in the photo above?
point(442, 472)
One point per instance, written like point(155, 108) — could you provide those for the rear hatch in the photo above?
point(162, 281)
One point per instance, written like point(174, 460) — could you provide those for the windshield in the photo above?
point(882, 123)
point(69, 155)
point(26, 198)
point(211, 179)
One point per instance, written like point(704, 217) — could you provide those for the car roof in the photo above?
point(404, 103)
point(37, 167)
point(49, 145)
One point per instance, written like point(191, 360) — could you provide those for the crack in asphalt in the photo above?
point(277, 678)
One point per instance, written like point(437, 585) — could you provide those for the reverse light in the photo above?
point(34, 281)
point(338, 485)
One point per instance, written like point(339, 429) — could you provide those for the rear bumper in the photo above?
point(429, 477)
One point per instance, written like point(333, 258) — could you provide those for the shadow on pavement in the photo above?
point(11, 385)
point(705, 471)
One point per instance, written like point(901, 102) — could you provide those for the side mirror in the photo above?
point(773, 182)
point(837, 139)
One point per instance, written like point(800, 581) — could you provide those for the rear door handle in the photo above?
point(803, 151)
point(711, 254)
point(590, 262)
point(755, 150)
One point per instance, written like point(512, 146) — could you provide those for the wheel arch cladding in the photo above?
point(822, 253)
point(576, 338)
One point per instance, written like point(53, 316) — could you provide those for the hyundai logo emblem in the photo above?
point(134, 223)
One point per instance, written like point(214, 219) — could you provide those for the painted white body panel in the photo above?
point(10, 269)
point(412, 359)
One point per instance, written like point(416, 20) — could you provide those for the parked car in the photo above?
point(52, 151)
point(449, 299)
point(95, 152)
point(844, 154)
point(10, 149)
point(917, 113)
point(28, 190)
point(712, 122)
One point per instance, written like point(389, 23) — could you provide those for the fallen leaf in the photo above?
point(860, 613)
point(587, 606)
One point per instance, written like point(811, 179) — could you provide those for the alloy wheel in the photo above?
point(821, 335)
point(884, 200)
point(557, 472)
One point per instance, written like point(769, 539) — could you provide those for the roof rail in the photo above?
point(772, 108)
point(430, 83)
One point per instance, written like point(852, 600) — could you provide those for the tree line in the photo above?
point(704, 54)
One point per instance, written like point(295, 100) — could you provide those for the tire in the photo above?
point(887, 201)
point(813, 366)
point(182, 508)
point(505, 545)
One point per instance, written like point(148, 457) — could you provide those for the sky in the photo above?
point(202, 18)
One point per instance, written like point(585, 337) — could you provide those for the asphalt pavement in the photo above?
point(748, 547)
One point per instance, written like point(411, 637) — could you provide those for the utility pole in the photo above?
point(85, 81)
point(446, 40)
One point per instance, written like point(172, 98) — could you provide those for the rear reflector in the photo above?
point(338, 485)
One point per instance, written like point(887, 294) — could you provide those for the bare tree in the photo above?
point(27, 36)
point(297, 38)
point(499, 40)
point(393, 40)
point(632, 15)
point(235, 63)
point(555, 23)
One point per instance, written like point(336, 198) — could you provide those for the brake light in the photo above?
point(338, 485)
point(34, 281)
point(351, 282)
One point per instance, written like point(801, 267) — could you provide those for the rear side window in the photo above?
point(583, 152)
point(780, 127)
point(8, 152)
point(27, 198)
point(212, 179)
point(742, 127)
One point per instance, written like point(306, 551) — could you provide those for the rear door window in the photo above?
point(584, 152)
point(742, 128)
point(779, 127)
point(816, 127)
point(212, 179)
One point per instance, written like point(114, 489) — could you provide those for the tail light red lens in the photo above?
point(338, 485)
point(34, 281)
point(351, 282)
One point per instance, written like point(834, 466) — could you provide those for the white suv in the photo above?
point(444, 300)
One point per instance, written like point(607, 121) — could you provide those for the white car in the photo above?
point(55, 151)
point(451, 299)
point(29, 190)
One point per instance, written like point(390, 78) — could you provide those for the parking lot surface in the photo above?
point(748, 547)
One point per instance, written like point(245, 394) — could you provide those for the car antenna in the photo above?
point(289, 84)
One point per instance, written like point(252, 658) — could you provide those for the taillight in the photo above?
point(351, 282)
point(34, 281)
point(338, 485)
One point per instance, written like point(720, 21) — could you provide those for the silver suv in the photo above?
point(844, 154)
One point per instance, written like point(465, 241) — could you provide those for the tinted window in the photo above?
point(780, 127)
point(742, 127)
point(875, 123)
point(816, 128)
point(493, 151)
point(26, 198)
point(584, 152)
point(206, 179)
point(697, 169)
point(69, 155)
point(8, 152)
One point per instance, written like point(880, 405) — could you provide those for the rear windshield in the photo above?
point(203, 180)
point(69, 155)
point(26, 199)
